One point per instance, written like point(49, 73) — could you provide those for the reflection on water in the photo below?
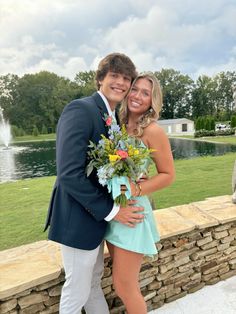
point(28, 160)
point(8, 167)
point(186, 149)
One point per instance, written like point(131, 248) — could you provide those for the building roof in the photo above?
point(174, 121)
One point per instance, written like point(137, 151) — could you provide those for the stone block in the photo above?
point(154, 285)
point(29, 266)
point(224, 270)
point(149, 295)
point(207, 277)
point(53, 309)
point(167, 275)
point(204, 240)
point(223, 227)
point(146, 281)
point(224, 214)
point(169, 252)
point(210, 245)
point(148, 273)
point(171, 224)
point(191, 284)
point(32, 309)
point(52, 300)
point(230, 250)
point(106, 282)
point(223, 247)
point(213, 281)
point(196, 288)
point(228, 275)
point(176, 297)
point(201, 254)
point(232, 231)
point(220, 235)
point(55, 291)
point(198, 217)
point(8, 306)
point(32, 299)
point(214, 256)
point(173, 292)
point(180, 242)
point(208, 266)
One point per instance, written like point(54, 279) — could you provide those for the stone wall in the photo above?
point(197, 248)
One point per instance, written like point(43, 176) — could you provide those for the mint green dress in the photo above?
point(141, 238)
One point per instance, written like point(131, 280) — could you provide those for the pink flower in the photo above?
point(123, 154)
point(109, 121)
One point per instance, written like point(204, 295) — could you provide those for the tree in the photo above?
point(203, 97)
point(224, 94)
point(86, 82)
point(41, 98)
point(177, 89)
point(9, 96)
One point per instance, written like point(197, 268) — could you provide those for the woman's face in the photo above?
point(140, 96)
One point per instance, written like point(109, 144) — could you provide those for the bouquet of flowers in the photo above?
point(117, 158)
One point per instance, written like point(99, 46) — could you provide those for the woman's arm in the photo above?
point(154, 137)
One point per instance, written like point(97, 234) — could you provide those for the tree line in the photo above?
point(34, 102)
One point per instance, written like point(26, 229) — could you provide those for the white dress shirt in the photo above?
point(111, 113)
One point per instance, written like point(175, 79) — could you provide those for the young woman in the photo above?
point(127, 246)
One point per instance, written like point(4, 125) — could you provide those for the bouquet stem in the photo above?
point(121, 200)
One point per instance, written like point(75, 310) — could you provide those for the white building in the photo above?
point(177, 126)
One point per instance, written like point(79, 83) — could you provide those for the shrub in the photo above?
point(44, 130)
point(17, 131)
point(204, 133)
point(35, 131)
point(233, 122)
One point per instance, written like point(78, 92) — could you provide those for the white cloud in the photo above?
point(71, 36)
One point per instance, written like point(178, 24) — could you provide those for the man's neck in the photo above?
point(110, 107)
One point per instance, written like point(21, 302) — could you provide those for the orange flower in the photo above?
point(123, 154)
point(108, 120)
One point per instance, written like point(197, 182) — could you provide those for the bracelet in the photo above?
point(140, 189)
point(136, 189)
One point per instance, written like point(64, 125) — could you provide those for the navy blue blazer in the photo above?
point(78, 203)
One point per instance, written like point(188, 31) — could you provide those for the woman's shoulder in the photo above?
point(153, 132)
point(153, 129)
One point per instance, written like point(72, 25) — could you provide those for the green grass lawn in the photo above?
point(218, 139)
point(221, 139)
point(31, 138)
point(23, 206)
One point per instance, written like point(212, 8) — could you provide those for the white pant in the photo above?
point(83, 272)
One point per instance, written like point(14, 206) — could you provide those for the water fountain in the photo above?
point(5, 131)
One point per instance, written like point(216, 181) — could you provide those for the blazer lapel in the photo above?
point(102, 108)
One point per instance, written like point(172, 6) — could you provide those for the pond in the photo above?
point(37, 159)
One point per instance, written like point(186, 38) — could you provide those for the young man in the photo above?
point(80, 207)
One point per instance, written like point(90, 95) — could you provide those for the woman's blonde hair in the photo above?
point(152, 114)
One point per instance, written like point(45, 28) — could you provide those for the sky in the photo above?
point(70, 36)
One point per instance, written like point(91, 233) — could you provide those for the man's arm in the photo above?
point(74, 132)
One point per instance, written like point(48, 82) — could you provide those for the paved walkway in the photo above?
point(216, 299)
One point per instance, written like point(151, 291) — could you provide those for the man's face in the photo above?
point(114, 87)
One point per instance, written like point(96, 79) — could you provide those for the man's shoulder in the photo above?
point(83, 102)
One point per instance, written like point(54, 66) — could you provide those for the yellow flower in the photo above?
point(113, 158)
point(132, 151)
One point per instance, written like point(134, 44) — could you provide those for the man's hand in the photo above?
point(130, 215)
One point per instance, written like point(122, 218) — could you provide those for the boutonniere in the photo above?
point(108, 120)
